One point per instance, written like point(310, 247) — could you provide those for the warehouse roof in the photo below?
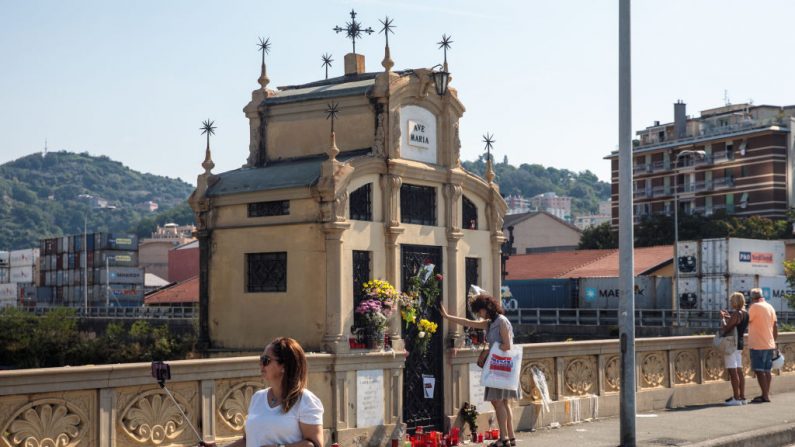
point(585, 263)
point(184, 292)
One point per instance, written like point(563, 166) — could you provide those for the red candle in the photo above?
point(480, 437)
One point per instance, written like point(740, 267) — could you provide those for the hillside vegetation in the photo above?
point(45, 196)
point(529, 180)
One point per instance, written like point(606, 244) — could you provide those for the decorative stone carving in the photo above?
point(46, 423)
point(379, 143)
point(391, 186)
point(453, 195)
point(528, 384)
point(652, 370)
point(394, 135)
point(456, 146)
point(685, 367)
point(579, 378)
point(613, 374)
point(233, 407)
point(153, 418)
point(713, 365)
point(789, 358)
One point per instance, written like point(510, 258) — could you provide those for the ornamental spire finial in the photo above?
point(265, 48)
point(208, 129)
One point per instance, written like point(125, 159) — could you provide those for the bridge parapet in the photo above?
point(121, 405)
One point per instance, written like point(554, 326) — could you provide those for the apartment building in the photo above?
point(741, 163)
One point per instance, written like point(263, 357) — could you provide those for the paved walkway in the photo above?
point(768, 424)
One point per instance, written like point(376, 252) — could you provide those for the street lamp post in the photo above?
point(685, 153)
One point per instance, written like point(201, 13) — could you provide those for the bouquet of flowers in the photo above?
point(426, 330)
point(469, 415)
point(374, 314)
point(408, 307)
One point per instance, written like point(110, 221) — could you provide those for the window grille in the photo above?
point(469, 220)
point(361, 203)
point(361, 273)
point(275, 208)
point(266, 272)
point(418, 204)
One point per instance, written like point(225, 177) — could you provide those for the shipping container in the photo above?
point(116, 258)
point(9, 291)
point(540, 293)
point(724, 256)
point(651, 292)
point(122, 275)
point(742, 284)
point(59, 278)
point(119, 295)
point(689, 290)
point(688, 253)
point(714, 293)
point(27, 294)
point(90, 242)
point(49, 246)
point(5, 259)
point(5, 303)
point(90, 260)
point(5, 275)
point(57, 298)
point(44, 296)
point(24, 258)
point(70, 261)
point(775, 290)
point(22, 274)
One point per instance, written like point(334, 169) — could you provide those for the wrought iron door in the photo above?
point(418, 410)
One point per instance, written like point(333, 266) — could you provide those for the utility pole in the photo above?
point(85, 263)
point(626, 314)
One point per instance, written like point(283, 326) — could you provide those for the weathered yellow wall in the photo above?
point(240, 320)
point(296, 130)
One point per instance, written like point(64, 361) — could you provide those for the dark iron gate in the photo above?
point(417, 409)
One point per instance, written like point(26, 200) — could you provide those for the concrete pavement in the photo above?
point(767, 424)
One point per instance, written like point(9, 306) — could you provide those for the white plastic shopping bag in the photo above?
point(502, 368)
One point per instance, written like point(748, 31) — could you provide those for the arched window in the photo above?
point(361, 203)
point(469, 219)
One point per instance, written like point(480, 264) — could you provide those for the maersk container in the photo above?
point(603, 293)
point(734, 256)
point(543, 293)
point(688, 253)
point(689, 290)
point(24, 258)
point(22, 274)
point(9, 291)
point(775, 290)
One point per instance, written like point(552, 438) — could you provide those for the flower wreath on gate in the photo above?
point(416, 303)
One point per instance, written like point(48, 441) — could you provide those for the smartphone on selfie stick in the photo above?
point(161, 371)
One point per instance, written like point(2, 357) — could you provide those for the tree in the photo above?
point(599, 237)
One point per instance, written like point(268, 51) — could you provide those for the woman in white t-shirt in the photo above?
point(286, 414)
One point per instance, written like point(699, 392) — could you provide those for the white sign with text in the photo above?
point(369, 398)
point(418, 134)
point(476, 390)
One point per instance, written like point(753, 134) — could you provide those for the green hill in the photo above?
point(47, 196)
point(585, 189)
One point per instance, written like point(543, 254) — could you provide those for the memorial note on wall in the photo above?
point(369, 398)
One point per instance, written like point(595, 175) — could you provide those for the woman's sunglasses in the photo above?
point(266, 359)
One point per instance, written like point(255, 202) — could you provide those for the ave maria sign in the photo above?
point(418, 139)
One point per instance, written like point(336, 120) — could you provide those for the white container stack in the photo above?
point(716, 268)
point(19, 271)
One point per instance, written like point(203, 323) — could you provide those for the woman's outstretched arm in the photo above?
point(478, 324)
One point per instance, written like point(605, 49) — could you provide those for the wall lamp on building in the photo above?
point(441, 78)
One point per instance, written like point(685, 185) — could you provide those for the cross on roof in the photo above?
point(327, 60)
point(353, 29)
point(489, 140)
point(264, 47)
point(386, 28)
point(331, 113)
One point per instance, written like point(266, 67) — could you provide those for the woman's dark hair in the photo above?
point(290, 354)
point(484, 301)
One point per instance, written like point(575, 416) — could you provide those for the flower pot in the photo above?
point(374, 339)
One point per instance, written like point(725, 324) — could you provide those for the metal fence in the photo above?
point(157, 313)
point(708, 319)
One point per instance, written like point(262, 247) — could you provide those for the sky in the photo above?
point(134, 80)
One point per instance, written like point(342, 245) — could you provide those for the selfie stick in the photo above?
point(162, 383)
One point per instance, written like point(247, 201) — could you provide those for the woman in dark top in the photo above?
point(498, 330)
point(737, 318)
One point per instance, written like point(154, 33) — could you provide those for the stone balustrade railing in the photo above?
point(121, 405)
